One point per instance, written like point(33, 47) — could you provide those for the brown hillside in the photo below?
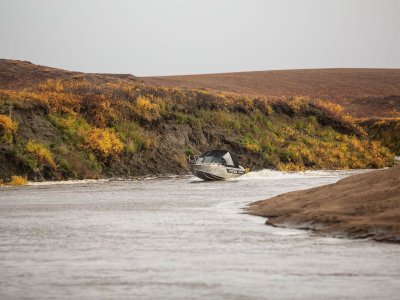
point(22, 74)
point(363, 92)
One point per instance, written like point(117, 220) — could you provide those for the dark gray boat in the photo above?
point(216, 165)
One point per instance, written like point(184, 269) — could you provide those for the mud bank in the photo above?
point(360, 206)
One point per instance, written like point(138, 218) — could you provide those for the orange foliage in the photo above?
point(329, 106)
point(102, 111)
point(64, 103)
point(147, 110)
point(18, 180)
point(52, 86)
point(7, 125)
point(103, 141)
point(57, 102)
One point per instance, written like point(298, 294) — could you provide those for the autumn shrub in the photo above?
point(52, 85)
point(15, 180)
point(104, 142)
point(79, 85)
point(298, 104)
point(387, 131)
point(63, 103)
point(251, 145)
point(333, 115)
point(23, 99)
point(263, 105)
point(41, 153)
point(62, 121)
point(55, 101)
point(327, 106)
point(18, 180)
point(100, 110)
point(135, 138)
point(146, 110)
point(7, 125)
point(8, 128)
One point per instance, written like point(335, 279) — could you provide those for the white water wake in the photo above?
point(272, 174)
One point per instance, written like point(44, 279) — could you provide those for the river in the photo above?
point(179, 238)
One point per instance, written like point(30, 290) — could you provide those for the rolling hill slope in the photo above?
point(363, 92)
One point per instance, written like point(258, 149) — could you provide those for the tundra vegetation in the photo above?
point(73, 128)
point(385, 130)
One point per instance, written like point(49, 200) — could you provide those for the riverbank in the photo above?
point(59, 125)
point(360, 206)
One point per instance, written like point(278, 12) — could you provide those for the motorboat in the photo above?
point(216, 165)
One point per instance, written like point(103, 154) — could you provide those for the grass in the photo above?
point(386, 130)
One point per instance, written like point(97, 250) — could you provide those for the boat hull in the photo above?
point(216, 172)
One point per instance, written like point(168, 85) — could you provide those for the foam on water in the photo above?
point(67, 182)
point(272, 174)
point(255, 175)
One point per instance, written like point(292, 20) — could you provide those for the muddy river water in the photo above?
point(179, 238)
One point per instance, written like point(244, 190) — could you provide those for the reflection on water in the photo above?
point(179, 238)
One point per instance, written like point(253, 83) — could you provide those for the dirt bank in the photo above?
point(360, 206)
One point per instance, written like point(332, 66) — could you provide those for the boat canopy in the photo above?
point(224, 157)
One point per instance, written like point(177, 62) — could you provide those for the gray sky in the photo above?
point(163, 37)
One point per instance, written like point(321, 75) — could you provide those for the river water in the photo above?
point(179, 238)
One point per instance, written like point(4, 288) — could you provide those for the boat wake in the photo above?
point(272, 174)
point(80, 181)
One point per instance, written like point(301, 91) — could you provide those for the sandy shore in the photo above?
point(359, 206)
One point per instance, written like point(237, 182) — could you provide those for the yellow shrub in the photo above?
point(147, 110)
point(7, 125)
point(52, 86)
point(103, 141)
point(41, 153)
point(18, 180)
point(66, 122)
point(298, 103)
point(252, 147)
point(63, 103)
point(329, 106)
point(22, 98)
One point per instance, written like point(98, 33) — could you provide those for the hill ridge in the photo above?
point(348, 87)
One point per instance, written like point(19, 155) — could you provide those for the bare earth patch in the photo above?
point(360, 206)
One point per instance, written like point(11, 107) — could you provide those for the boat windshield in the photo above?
point(223, 157)
point(217, 160)
point(213, 159)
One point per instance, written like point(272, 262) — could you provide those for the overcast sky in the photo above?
point(162, 37)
